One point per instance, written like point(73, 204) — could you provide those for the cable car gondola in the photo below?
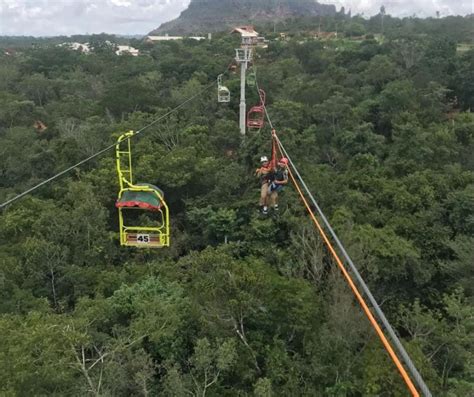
point(252, 76)
point(223, 93)
point(143, 212)
point(256, 115)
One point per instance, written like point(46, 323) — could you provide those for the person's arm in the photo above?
point(263, 171)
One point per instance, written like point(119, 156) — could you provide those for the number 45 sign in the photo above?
point(143, 238)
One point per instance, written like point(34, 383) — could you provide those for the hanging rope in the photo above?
point(273, 161)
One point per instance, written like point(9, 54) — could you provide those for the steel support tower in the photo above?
point(243, 56)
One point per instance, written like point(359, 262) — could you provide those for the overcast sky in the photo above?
point(66, 17)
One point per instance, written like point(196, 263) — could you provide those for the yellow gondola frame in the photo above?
point(138, 236)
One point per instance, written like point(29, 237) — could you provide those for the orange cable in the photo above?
point(356, 292)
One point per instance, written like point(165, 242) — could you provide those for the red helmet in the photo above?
point(283, 160)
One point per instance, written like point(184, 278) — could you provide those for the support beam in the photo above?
point(243, 105)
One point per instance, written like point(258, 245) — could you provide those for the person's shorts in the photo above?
point(275, 188)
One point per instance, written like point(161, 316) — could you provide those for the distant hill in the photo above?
point(204, 16)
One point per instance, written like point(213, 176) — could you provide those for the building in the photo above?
point(248, 34)
point(126, 49)
point(155, 39)
point(82, 47)
point(262, 42)
point(166, 37)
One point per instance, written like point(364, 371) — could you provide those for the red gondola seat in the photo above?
point(256, 114)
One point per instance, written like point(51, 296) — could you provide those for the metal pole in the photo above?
point(243, 106)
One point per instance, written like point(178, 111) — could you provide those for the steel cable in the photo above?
point(393, 336)
point(102, 151)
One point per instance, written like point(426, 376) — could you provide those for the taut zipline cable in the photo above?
point(357, 294)
point(396, 341)
point(106, 149)
point(393, 336)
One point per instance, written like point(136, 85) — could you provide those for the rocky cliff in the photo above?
point(204, 16)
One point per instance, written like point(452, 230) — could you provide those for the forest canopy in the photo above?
point(377, 119)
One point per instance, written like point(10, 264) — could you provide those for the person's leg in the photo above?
point(274, 199)
point(264, 198)
point(263, 194)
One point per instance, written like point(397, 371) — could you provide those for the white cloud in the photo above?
point(67, 17)
point(121, 3)
point(53, 17)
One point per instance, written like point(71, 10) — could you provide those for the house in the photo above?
point(248, 34)
point(126, 49)
point(155, 39)
point(82, 47)
point(262, 42)
point(166, 37)
point(246, 31)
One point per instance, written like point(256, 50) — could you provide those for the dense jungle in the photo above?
point(381, 129)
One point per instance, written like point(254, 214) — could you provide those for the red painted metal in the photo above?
point(256, 115)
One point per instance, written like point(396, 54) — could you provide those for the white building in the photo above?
point(83, 47)
point(250, 36)
point(154, 39)
point(126, 49)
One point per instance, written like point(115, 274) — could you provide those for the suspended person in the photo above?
point(265, 175)
point(279, 180)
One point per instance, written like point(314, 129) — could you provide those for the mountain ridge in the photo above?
point(203, 16)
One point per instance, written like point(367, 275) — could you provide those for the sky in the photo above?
point(68, 17)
